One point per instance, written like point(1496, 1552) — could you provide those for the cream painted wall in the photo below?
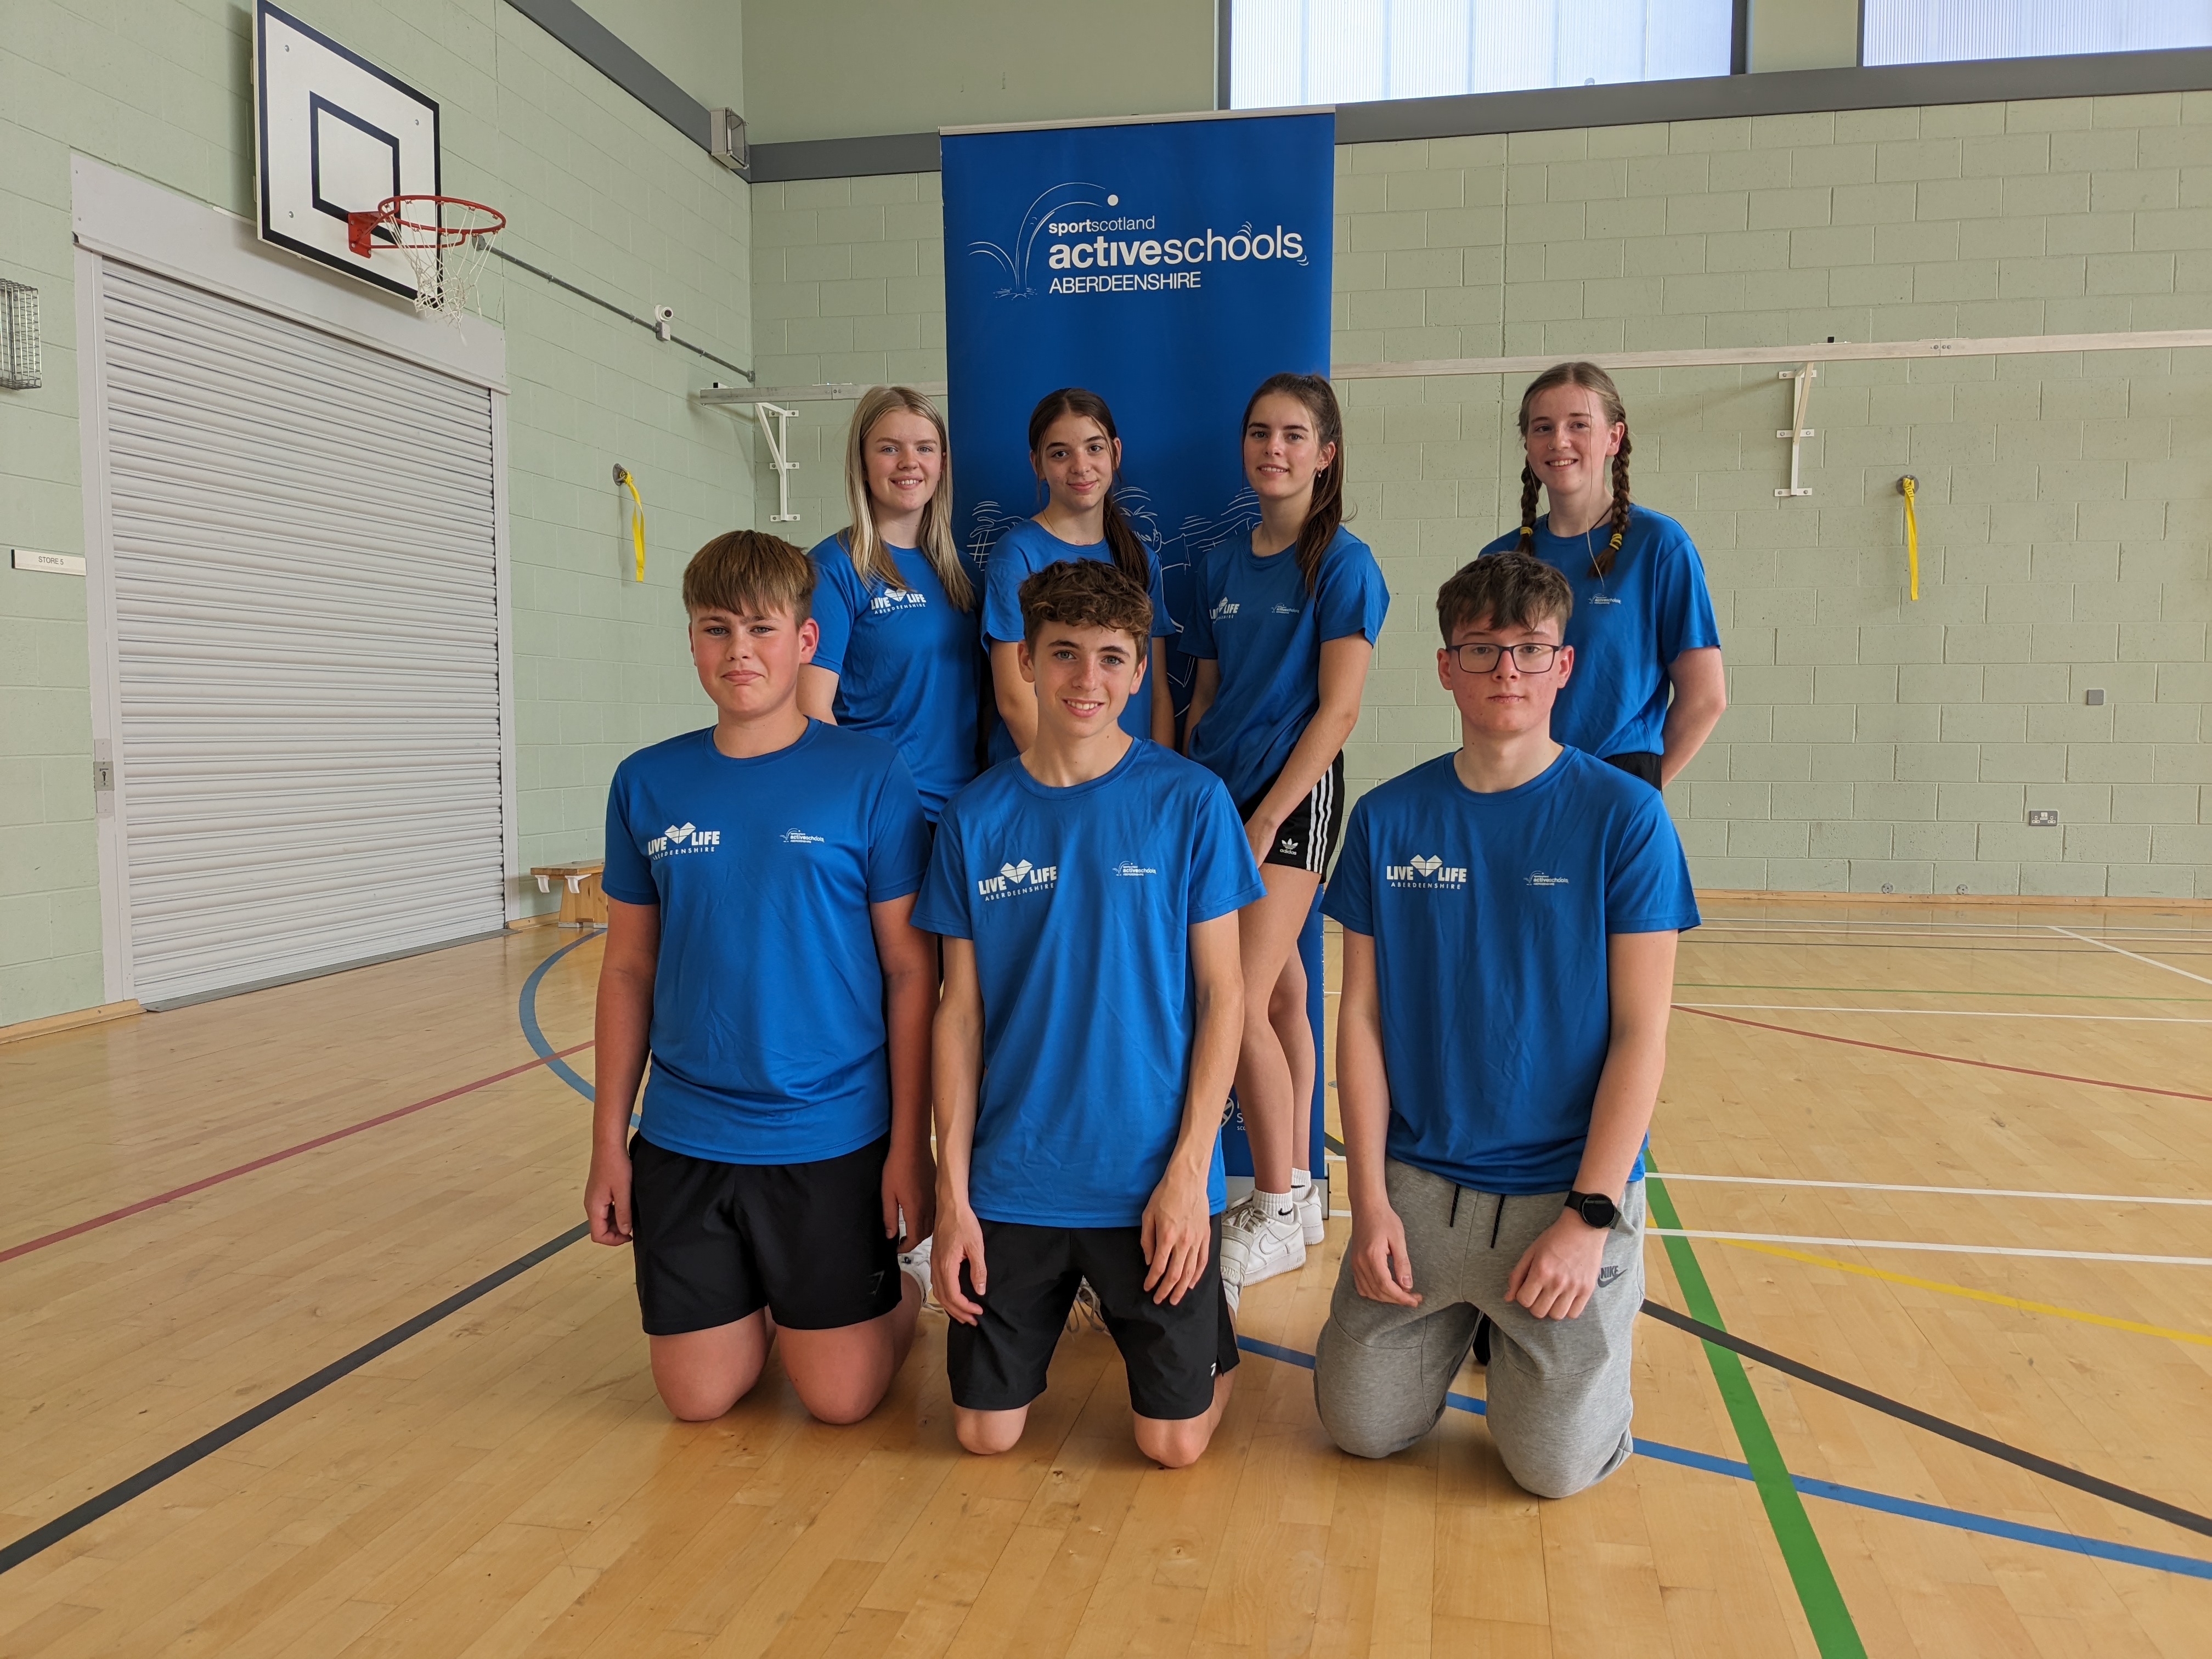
point(1873, 742)
point(841, 69)
point(697, 44)
point(1804, 35)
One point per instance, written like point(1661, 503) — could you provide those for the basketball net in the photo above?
point(445, 240)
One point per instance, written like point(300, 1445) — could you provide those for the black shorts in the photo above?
point(1307, 838)
point(716, 1242)
point(1173, 1351)
point(1645, 767)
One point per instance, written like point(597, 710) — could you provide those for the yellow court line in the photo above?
point(2077, 1313)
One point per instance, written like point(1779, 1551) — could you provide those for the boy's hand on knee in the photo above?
point(959, 1240)
point(1177, 1235)
point(606, 1197)
point(1556, 1274)
point(1382, 1268)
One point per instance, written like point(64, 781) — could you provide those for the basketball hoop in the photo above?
point(445, 240)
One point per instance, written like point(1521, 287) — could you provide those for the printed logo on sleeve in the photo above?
point(799, 838)
point(1017, 879)
point(679, 839)
point(1538, 878)
point(1426, 872)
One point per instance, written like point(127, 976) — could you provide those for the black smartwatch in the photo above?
point(1595, 1208)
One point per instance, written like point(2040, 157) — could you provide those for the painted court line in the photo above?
point(1916, 991)
point(1946, 1013)
point(1858, 1497)
point(1954, 1060)
point(1945, 1249)
point(263, 1163)
point(2151, 961)
point(1951, 1192)
point(2080, 1315)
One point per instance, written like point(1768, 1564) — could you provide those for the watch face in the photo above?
point(1598, 1210)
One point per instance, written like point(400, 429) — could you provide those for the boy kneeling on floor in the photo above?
point(1086, 892)
point(1511, 913)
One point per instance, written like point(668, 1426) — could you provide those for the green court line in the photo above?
point(1904, 991)
point(1833, 1631)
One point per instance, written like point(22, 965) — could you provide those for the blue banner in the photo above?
point(1170, 266)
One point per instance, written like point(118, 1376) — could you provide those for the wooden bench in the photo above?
point(582, 903)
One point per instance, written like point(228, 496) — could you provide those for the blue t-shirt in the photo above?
point(1019, 555)
point(1254, 616)
point(1080, 903)
point(1490, 915)
point(768, 1022)
point(906, 662)
point(1628, 625)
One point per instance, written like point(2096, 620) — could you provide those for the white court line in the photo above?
point(1954, 1192)
point(2152, 961)
point(1915, 1244)
point(1900, 1186)
point(1995, 929)
point(1948, 1013)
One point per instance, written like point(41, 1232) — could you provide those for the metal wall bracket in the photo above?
point(779, 441)
point(1796, 432)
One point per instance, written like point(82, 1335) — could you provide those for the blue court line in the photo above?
point(1859, 1497)
point(525, 1012)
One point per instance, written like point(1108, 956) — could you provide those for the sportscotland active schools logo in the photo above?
point(1538, 878)
point(1426, 872)
point(1017, 879)
point(677, 840)
point(799, 838)
point(1089, 247)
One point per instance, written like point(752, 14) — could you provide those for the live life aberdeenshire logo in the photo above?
point(1016, 878)
point(679, 839)
point(1426, 872)
point(1091, 247)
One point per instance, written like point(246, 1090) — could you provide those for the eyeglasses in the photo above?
point(1532, 658)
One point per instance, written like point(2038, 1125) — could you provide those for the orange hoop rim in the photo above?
point(393, 212)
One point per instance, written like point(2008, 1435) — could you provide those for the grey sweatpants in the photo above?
point(1558, 1388)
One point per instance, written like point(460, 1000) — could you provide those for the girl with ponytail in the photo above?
point(1648, 685)
point(895, 601)
point(1077, 454)
point(1284, 623)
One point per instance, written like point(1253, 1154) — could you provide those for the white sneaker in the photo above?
point(915, 1264)
point(1257, 1246)
point(1085, 1311)
point(1313, 1213)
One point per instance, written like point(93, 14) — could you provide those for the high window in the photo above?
point(1342, 51)
point(1946, 31)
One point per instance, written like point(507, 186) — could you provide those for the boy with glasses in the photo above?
point(1510, 914)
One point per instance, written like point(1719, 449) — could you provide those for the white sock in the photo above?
point(1275, 1204)
point(1300, 1179)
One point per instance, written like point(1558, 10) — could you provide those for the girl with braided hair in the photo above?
point(1647, 686)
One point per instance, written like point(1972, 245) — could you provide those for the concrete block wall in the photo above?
point(596, 188)
point(1874, 743)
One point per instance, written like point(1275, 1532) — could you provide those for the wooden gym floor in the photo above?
point(294, 1358)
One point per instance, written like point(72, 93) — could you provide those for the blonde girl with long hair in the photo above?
point(895, 600)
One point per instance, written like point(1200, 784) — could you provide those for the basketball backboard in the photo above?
point(334, 134)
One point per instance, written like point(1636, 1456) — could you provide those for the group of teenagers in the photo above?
point(938, 954)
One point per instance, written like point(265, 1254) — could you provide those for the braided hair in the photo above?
point(1122, 540)
point(1325, 512)
point(1590, 378)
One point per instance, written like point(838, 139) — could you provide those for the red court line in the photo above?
point(1924, 1053)
point(29, 1245)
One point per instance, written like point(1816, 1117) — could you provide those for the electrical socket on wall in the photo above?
point(2043, 817)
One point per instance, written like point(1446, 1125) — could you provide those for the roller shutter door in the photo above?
point(307, 644)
